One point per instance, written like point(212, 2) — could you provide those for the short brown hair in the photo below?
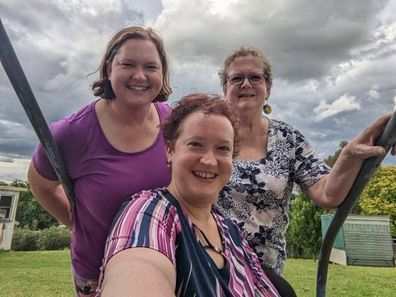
point(102, 87)
point(199, 102)
point(244, 52)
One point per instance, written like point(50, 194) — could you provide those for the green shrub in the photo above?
point(304, 235)
point(54, 238)
point(24, 239)
point(379, 196)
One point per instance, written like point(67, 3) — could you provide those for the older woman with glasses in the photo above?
point(272, 156)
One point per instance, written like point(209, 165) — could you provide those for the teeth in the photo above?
point(204, 174)
point(137, 88)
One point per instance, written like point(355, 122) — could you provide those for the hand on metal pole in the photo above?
point(387, 139)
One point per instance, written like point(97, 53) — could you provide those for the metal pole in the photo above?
point(21, 86)
point(370, 165)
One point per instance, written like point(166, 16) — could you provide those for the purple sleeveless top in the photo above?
point(102, 177)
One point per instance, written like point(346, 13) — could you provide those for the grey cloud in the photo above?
point(16, 140)
point(58, 44)
point(302, 38)
point(319, 50)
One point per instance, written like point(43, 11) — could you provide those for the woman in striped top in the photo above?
point(169, 241)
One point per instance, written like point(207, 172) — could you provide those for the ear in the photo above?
point(108, 69)
point(169, 152)
point(268, 91)
point(225, 90)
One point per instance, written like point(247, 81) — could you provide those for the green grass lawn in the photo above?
point(349, 281)
point(38, 274)
point(47, 274)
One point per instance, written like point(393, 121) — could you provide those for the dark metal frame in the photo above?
point(387, 139)
point(22, 88)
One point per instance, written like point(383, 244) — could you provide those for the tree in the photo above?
point(330, 160)
point(304, 235)
point(30, 214)
point(19, 184)
point(304, 232)
point(379, 196)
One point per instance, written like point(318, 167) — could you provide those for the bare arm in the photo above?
point(140, 272)
point(331, 190)
point(50, 195)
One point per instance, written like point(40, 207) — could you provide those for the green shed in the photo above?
point(362, 240)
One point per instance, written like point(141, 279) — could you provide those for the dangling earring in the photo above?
point(169, 164)
point(266, 107)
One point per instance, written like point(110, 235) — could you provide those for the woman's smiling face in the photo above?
point(246, 96)
point(136, 72)
point(201, 157)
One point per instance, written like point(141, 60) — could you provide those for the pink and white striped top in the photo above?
point(155, 220)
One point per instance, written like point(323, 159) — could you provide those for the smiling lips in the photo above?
point(137, 88)
point(204, 175)
point(245, 95)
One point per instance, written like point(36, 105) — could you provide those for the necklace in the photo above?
point(208, 244)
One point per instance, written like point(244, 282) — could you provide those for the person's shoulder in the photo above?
point(150, 206)
point(72, 127)
point(88, 111)
point(281, 124)
point(164, 108)
point(152, 200)
point(278, 127)
point(70, 119)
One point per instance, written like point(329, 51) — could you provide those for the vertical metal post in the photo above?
point(370, 165)
point(22, 88)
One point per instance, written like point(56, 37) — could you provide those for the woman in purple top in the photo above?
point(169, 241)
point(112, 147)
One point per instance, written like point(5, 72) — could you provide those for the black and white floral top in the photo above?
point(259, 193)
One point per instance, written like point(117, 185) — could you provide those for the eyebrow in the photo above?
point(222, 141)
point(134, 61)
point(249, 73)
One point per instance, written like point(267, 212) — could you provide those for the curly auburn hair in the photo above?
point(199, 102)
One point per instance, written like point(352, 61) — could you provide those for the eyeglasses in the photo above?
point(254, 79)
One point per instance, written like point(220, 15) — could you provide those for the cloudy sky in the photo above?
point(334, 62)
